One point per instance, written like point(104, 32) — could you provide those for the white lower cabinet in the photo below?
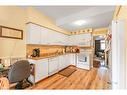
point(49, 66)
point(67, 60)
point(73, 59)
point(53, 65)
point(41, 69)
point(61, 62)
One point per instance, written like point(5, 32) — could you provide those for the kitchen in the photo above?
point(56, 50)
point(60, 54)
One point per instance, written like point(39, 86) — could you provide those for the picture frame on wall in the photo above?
point(7, 32)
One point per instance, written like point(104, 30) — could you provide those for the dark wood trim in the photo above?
point(11, 29)
point(46, 27)
point(0, 31)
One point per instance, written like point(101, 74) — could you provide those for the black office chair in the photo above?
point(19, 73)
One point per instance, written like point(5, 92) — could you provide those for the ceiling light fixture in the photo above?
point(80, 22)
point(100, 36)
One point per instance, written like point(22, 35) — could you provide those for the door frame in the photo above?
point(118, 54)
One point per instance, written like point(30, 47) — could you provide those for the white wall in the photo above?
point(118, 54)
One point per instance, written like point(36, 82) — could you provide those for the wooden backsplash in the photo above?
point(44, 49)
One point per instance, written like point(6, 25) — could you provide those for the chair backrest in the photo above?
point(19, 71)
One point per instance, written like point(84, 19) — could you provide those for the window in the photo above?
point(102, 42)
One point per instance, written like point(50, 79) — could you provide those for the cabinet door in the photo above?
point(73, 59)
point(67, 40)
point(67, 60)
point(83, 39)
point(53, 65)
point(72, 40)
point(44, 36)
point(41, 69)
point(61, 62)
point(58, 40)
point(64, 61)
point(51, 37)
point(33, 35)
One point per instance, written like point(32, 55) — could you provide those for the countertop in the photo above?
point(44, 56)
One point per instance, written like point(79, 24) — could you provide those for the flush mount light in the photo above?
point(80, 22)
point(100, 36)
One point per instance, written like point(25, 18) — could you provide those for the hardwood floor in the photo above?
point(96, 78)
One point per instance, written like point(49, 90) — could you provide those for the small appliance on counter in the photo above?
point(72, 49)
point(77, 50)
point(36, 52)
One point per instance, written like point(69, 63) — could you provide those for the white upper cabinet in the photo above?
point(33, 34)
point(44, 36)
point(47, 36)
point(52, 38)
point(41, 35)
point(66, 40)
point(72, 40)
point(85, 39)
point(59, 38)
point(55, 37)
point(82, 39)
